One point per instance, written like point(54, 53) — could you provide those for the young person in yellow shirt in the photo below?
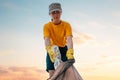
point(57, 32)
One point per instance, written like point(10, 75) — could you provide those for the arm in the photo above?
point(48, 48)
point(47, 42)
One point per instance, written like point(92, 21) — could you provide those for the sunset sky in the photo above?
point(96, 35)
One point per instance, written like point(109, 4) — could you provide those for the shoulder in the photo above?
point(46, 25)
point(66, 24)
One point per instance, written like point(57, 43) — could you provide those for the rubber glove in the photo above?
point(50, 52)
point(69, 54)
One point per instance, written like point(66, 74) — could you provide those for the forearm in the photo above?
point(69, 42)
point(47, 41)
point(48, 48)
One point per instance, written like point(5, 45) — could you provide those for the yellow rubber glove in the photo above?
point(70, 53)
point(50, 52)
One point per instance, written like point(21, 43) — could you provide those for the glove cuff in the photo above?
point(70, 50)
point(48, 48)
point(50, 52)
point(70, 53)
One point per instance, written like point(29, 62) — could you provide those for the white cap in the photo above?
point(55, 7)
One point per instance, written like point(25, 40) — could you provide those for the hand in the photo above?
point(69, 54)
point(50, 52)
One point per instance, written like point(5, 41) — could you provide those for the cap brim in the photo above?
point(55, 10)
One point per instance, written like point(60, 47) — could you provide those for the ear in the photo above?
point(50, 15)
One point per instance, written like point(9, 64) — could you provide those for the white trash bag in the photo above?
point(57, 56)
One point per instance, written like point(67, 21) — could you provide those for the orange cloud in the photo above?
point(22, 73)
point(80, 38)
point(32, 73)
point(94, 77)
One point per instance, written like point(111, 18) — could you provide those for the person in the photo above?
point(57, 32)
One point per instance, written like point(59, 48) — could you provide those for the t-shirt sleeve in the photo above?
point(46, 32)
point(68, 30)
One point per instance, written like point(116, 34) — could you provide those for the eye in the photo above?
point(55, 12)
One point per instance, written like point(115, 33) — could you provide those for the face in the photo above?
point(55, 15)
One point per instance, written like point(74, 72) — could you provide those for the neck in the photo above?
point(56, 22)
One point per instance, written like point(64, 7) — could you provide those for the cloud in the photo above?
point(116, 27)
point(88, 69)
point(80, 38)
point(97, 25)
point(99, 64)
point(91, 72)
point(116, 14)
point(9, 51)
point(100, 77)
point(22, 73)
point(96, 43)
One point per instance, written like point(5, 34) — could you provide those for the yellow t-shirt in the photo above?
point(57, 33)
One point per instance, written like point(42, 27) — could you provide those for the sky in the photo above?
point(96, 29)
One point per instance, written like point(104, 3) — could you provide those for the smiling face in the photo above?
point(55, 15)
